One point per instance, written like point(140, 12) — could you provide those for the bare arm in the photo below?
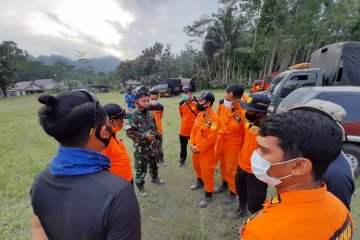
point(37, 231)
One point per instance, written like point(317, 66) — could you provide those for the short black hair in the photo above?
point(306, 134)
point(142, 94)
point(153, 92)
point(236, 90)
point(69, 116)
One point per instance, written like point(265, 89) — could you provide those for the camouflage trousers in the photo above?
point(146, 156)
point(159, 153)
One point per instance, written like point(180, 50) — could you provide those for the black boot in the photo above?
point(199, 184)
point(206, 200)
point(239, 212)
point(222, 188)
point(142, 190)
point(231, 199)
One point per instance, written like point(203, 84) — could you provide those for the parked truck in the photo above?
point(336, 64)
point(170, 86)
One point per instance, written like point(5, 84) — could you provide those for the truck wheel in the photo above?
point(352, 152)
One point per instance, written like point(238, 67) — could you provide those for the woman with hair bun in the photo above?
point(76, 197)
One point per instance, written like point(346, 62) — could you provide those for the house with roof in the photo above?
point(47, 84)
point(25, 88)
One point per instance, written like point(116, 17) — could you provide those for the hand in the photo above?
point(150, 137)
point(194, 149)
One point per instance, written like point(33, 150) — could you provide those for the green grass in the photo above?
point(169, 211)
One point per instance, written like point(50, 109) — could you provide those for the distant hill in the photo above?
point(102, 64)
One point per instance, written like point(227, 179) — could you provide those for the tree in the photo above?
point(150, 58)
point(10, 56)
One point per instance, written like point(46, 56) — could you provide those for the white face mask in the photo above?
point(153, 102)
point(260, 166)
point(227, 103)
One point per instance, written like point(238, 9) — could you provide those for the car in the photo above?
point(346, 96)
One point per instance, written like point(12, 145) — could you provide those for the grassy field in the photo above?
point(169, 211)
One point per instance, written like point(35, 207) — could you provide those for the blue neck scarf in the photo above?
point(77, 161)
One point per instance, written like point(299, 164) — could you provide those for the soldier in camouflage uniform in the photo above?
point(141, 128)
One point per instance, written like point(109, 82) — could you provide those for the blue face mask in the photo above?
point(185, 96)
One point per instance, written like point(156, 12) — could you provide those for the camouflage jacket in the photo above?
point(139, 125)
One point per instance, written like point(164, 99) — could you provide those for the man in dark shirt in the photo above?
point(77, 197)
point(340, 180)
point(92, 206)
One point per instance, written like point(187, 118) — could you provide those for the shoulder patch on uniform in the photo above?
point(213, 126)
point(275, 200)
point(345, 231)
point(221, 101)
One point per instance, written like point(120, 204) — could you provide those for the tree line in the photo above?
point(242, 41)
point(17, 66)
point(246, 39)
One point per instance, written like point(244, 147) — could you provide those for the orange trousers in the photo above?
point(228, 164)
point(204, 166)
point(218, 158)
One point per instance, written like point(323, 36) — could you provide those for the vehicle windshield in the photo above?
point(276, 80)
point(268, 79)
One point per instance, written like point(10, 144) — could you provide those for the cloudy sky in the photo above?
point(99, 27)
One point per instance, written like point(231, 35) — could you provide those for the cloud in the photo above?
point(100, 27)
point(162, 21)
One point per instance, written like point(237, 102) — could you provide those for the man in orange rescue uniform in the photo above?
point(116, 151)
point(157, 110)
point(188, 113)
point(202, 143)
point(230, 139)
point(295, 149)
point(251, 191)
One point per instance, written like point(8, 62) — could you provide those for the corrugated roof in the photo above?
point(28, 85)
point(44, 82)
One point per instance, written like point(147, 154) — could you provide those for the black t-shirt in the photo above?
point(93, 206)
point(158, 107)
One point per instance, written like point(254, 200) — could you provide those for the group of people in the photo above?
point(81, 196)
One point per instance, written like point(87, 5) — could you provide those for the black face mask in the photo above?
point(252, 117)
point(106, 141)
point(201, 107)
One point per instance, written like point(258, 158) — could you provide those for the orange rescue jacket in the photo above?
point(204, 132)
point(303, 214)
point(157, 111)
point(188, 113)
point(232, 125)
point(248, 148)
point(119, 158)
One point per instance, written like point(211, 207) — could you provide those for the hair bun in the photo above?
point(48, 100)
